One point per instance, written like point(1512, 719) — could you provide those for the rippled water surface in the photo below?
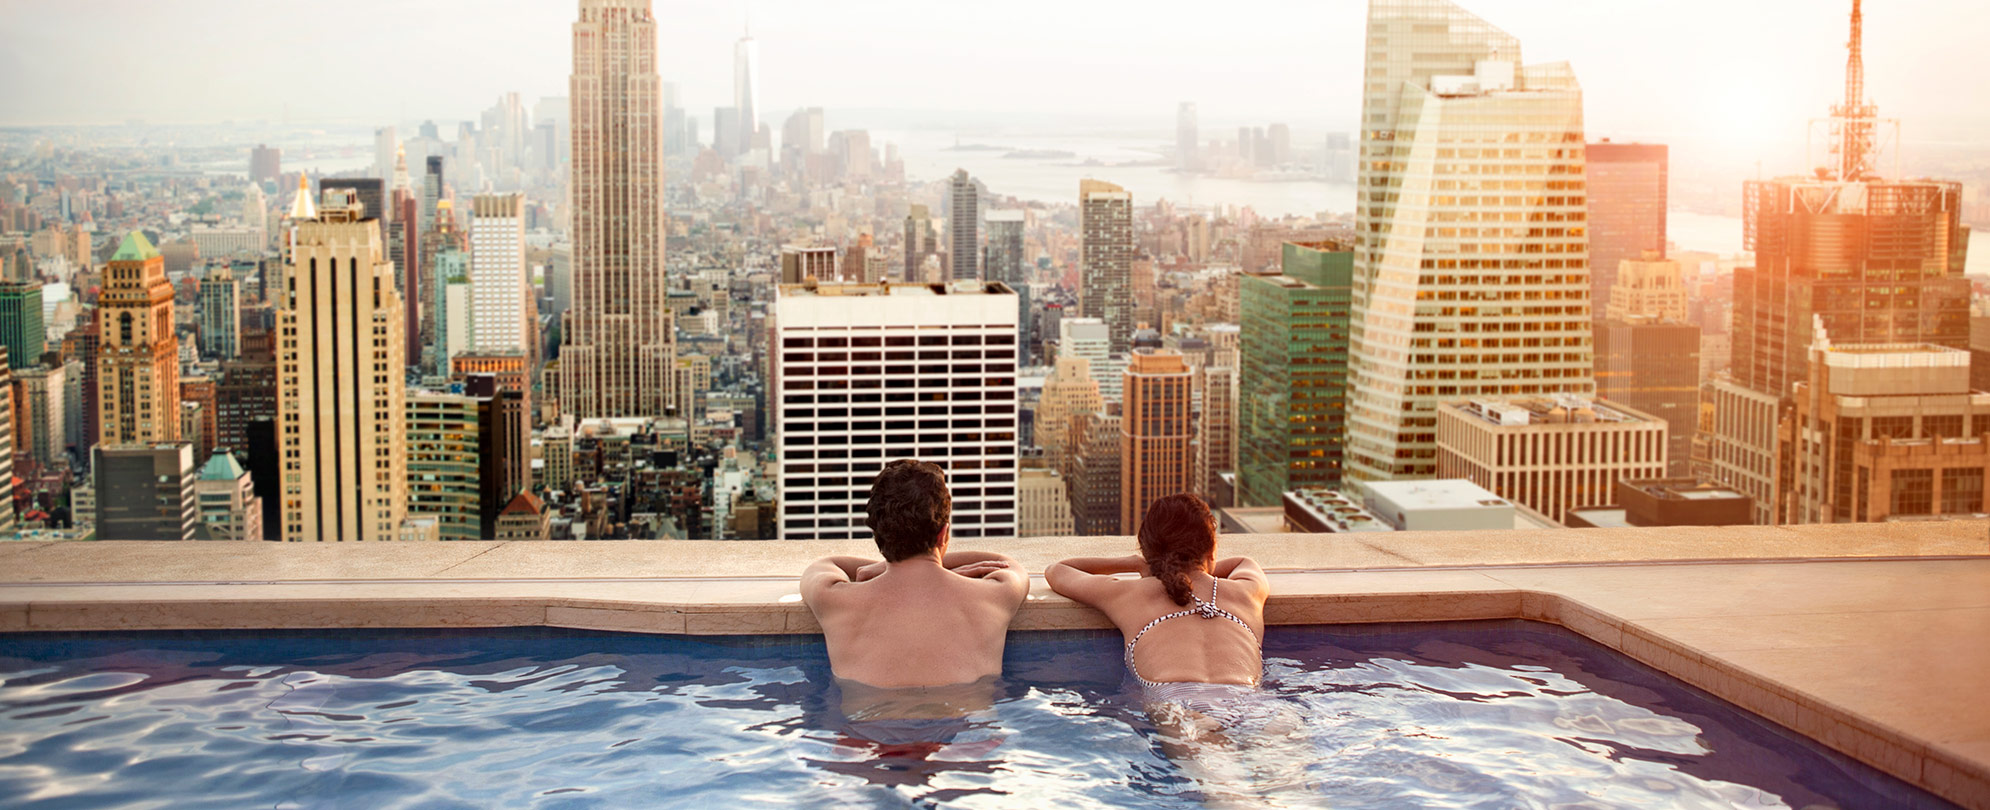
point(1483, 715)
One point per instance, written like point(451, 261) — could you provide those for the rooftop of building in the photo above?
point(1555, 410)
point(135, 248)
point(1439, 493)
point(222, 466)
point(1686, 489)
point(1338, 510)
point(894, 289)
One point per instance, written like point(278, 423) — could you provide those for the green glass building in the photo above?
point(20, 323)
point(1292, 384)
point(443, 436)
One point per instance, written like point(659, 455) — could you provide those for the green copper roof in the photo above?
point(135, 249)
point(222, 467)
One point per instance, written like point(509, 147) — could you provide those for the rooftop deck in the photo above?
point(1873, 639)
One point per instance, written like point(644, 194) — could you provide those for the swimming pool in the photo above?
point(1473, 715)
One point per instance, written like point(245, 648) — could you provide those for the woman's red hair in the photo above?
point(1178, 538)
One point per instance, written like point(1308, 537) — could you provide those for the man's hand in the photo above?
point(870, 572)
point(980, 568)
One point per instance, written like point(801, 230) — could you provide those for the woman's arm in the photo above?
point(1243, 569)
point(1090, 579)
point(1130, 564)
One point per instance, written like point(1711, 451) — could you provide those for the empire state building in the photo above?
point(618, 343)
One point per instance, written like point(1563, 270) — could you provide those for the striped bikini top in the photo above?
point(1203, 608)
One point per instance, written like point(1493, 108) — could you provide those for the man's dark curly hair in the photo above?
point(909, 507)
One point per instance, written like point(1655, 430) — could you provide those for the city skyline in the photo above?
point(1695, 71)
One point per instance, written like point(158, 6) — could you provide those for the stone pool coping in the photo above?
point(1874, 640)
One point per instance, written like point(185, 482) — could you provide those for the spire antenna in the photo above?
point(1855, 117)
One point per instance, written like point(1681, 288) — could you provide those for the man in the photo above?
point(923, 616)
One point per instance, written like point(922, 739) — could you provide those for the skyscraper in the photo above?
point(431, 192)
point(1005, 263)
point(619, 345)
point(1843, 255)
point(919, 239)
point(838, 424)
point(265, 163)
point(746, 90)
point(1188, 147)
point(1105, 264)
point(1068, 393)
point(341, 383)
point(1006, 260)
point(1648, 354)
point(1292, 381)
point(229, 508)
point(1550, 455)
point(442, 462)
point(146, 492)
point(963, 227)
point(138, 355)
point(385, 147)
point(1888, 431)
point(498, 277)
point(21, 327)
point(220, 315)
point(370, 191)
point(1154, 434)
point(1627, 204)
point(801, 262)
point(1447, 305)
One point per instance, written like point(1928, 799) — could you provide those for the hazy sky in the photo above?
point(1740, 70)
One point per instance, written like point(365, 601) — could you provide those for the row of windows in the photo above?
point(858, 520)
point(905, 396)
point(1005, 456)
point(898, 356)
point(929, 370)
point(1004, 386)
point(826, 342)
point(962, 513)
point(953, 478)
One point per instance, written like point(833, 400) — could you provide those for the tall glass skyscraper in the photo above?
point(1292, 385)
point(1471, 270)
point(964, 226)
point(1105, 213)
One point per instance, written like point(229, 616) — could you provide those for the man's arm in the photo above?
point(829, 571)
point(999, 568)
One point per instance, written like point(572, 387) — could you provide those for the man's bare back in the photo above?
point(915, 622)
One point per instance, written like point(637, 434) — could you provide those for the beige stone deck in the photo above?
point(1873, 639)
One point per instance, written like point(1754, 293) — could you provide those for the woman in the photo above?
point(1192, 623)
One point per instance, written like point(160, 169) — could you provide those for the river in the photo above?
point(928, 156)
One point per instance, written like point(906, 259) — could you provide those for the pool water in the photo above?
point(1472, 715)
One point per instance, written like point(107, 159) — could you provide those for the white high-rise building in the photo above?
point(1471, 272)
point(498, 280)
point(386, 149)
point(1091, 340)
point(869, 374)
